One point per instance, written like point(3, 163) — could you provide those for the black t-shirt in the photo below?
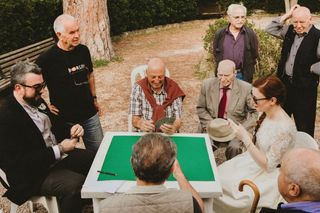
point(66, 74)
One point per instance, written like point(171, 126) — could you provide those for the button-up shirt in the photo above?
point(140, 106)
point(42, 121)
point(233, 48)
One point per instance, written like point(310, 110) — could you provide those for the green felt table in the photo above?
point(192, 156)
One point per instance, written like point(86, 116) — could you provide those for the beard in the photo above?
point(33, 101)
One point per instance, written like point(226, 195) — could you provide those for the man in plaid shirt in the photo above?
point(154, 98)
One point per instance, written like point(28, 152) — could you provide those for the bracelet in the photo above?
point(60, 148)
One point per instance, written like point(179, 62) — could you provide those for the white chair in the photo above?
point(139, 71)
point(304, 140)
point(50, 203)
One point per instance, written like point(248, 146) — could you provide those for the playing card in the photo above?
point(165, 120)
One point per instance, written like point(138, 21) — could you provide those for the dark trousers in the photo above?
point(302, 104)
point(66, 178)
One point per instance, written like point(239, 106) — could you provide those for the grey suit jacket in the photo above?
point(240, 107)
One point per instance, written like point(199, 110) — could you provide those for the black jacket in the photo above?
point(23, 154)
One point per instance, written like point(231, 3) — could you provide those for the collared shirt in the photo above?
point(307, 206)
point(42, 121)
point(228, 98)
point(140, 106)
point(233, 49)
point(279, 30)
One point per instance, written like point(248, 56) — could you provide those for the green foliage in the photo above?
point(128, 15)
point(270, 6)
point(25, 22)
point(269, 50)
point(103, 62)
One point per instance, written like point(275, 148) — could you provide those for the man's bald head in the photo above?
point(302, 11)
point(156, 73)
point(156, 64)
point(301, 20)
point(299, 175)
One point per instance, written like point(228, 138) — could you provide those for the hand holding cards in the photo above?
point(165, 120)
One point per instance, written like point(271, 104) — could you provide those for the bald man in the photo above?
point(156, 97)
point(298, 182)
point(298, 64)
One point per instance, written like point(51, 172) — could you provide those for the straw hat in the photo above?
point(219, 130)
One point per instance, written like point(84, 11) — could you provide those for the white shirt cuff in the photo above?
point(56, 151)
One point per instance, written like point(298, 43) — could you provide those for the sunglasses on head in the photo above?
point(37, 87)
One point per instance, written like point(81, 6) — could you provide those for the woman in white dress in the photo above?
point(274, 135)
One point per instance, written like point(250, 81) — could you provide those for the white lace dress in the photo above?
point(274, 138)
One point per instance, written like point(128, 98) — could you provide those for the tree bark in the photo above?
point(289, 4)
point(94, 25)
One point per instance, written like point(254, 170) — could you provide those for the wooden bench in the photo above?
point(30, 52)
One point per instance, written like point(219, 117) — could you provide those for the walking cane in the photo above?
point(255, 191)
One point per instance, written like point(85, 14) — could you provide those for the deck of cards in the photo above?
point(165, 120)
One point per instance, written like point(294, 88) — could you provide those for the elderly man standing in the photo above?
point(227, 97)
point(154, 98)
point(153, 160)
point(298, 182)
point(300, 57)
point(238, 43)
point(68, 71)
point(34, 143)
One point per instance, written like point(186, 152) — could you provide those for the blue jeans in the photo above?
point(93, 133)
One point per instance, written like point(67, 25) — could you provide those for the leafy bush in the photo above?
point(269, 49)
point(25, 22)
point(271, 6)
point(128, 15)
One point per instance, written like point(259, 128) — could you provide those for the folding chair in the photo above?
point(50, 203)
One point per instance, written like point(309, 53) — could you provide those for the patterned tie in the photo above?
point(223, 103)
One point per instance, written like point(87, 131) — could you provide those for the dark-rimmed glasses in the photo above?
point(255, 100)
point(37, 87)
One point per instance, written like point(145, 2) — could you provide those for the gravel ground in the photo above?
point(180, 46)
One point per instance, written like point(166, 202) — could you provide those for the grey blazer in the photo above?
point(240, 107)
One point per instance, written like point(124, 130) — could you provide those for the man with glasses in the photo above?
point(68, 71)
point(237, 43)
point(226, 97)
point(298, 65)
point(37, 151)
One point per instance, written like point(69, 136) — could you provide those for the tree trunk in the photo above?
point(94, 25)
point(289, 4)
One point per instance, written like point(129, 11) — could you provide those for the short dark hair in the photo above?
point(20, 69)
point(152, 157)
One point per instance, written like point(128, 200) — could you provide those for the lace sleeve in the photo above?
point(281, 142)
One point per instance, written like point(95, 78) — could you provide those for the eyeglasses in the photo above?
point(37, 87)
point(255, 100)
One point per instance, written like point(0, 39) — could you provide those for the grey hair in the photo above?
point(304, 171)
point(21, 69)
point(58, 24)
point(233, 7)
point(152, 157)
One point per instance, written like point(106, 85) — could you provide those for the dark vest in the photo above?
point(306, 56)
point(250, 51)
